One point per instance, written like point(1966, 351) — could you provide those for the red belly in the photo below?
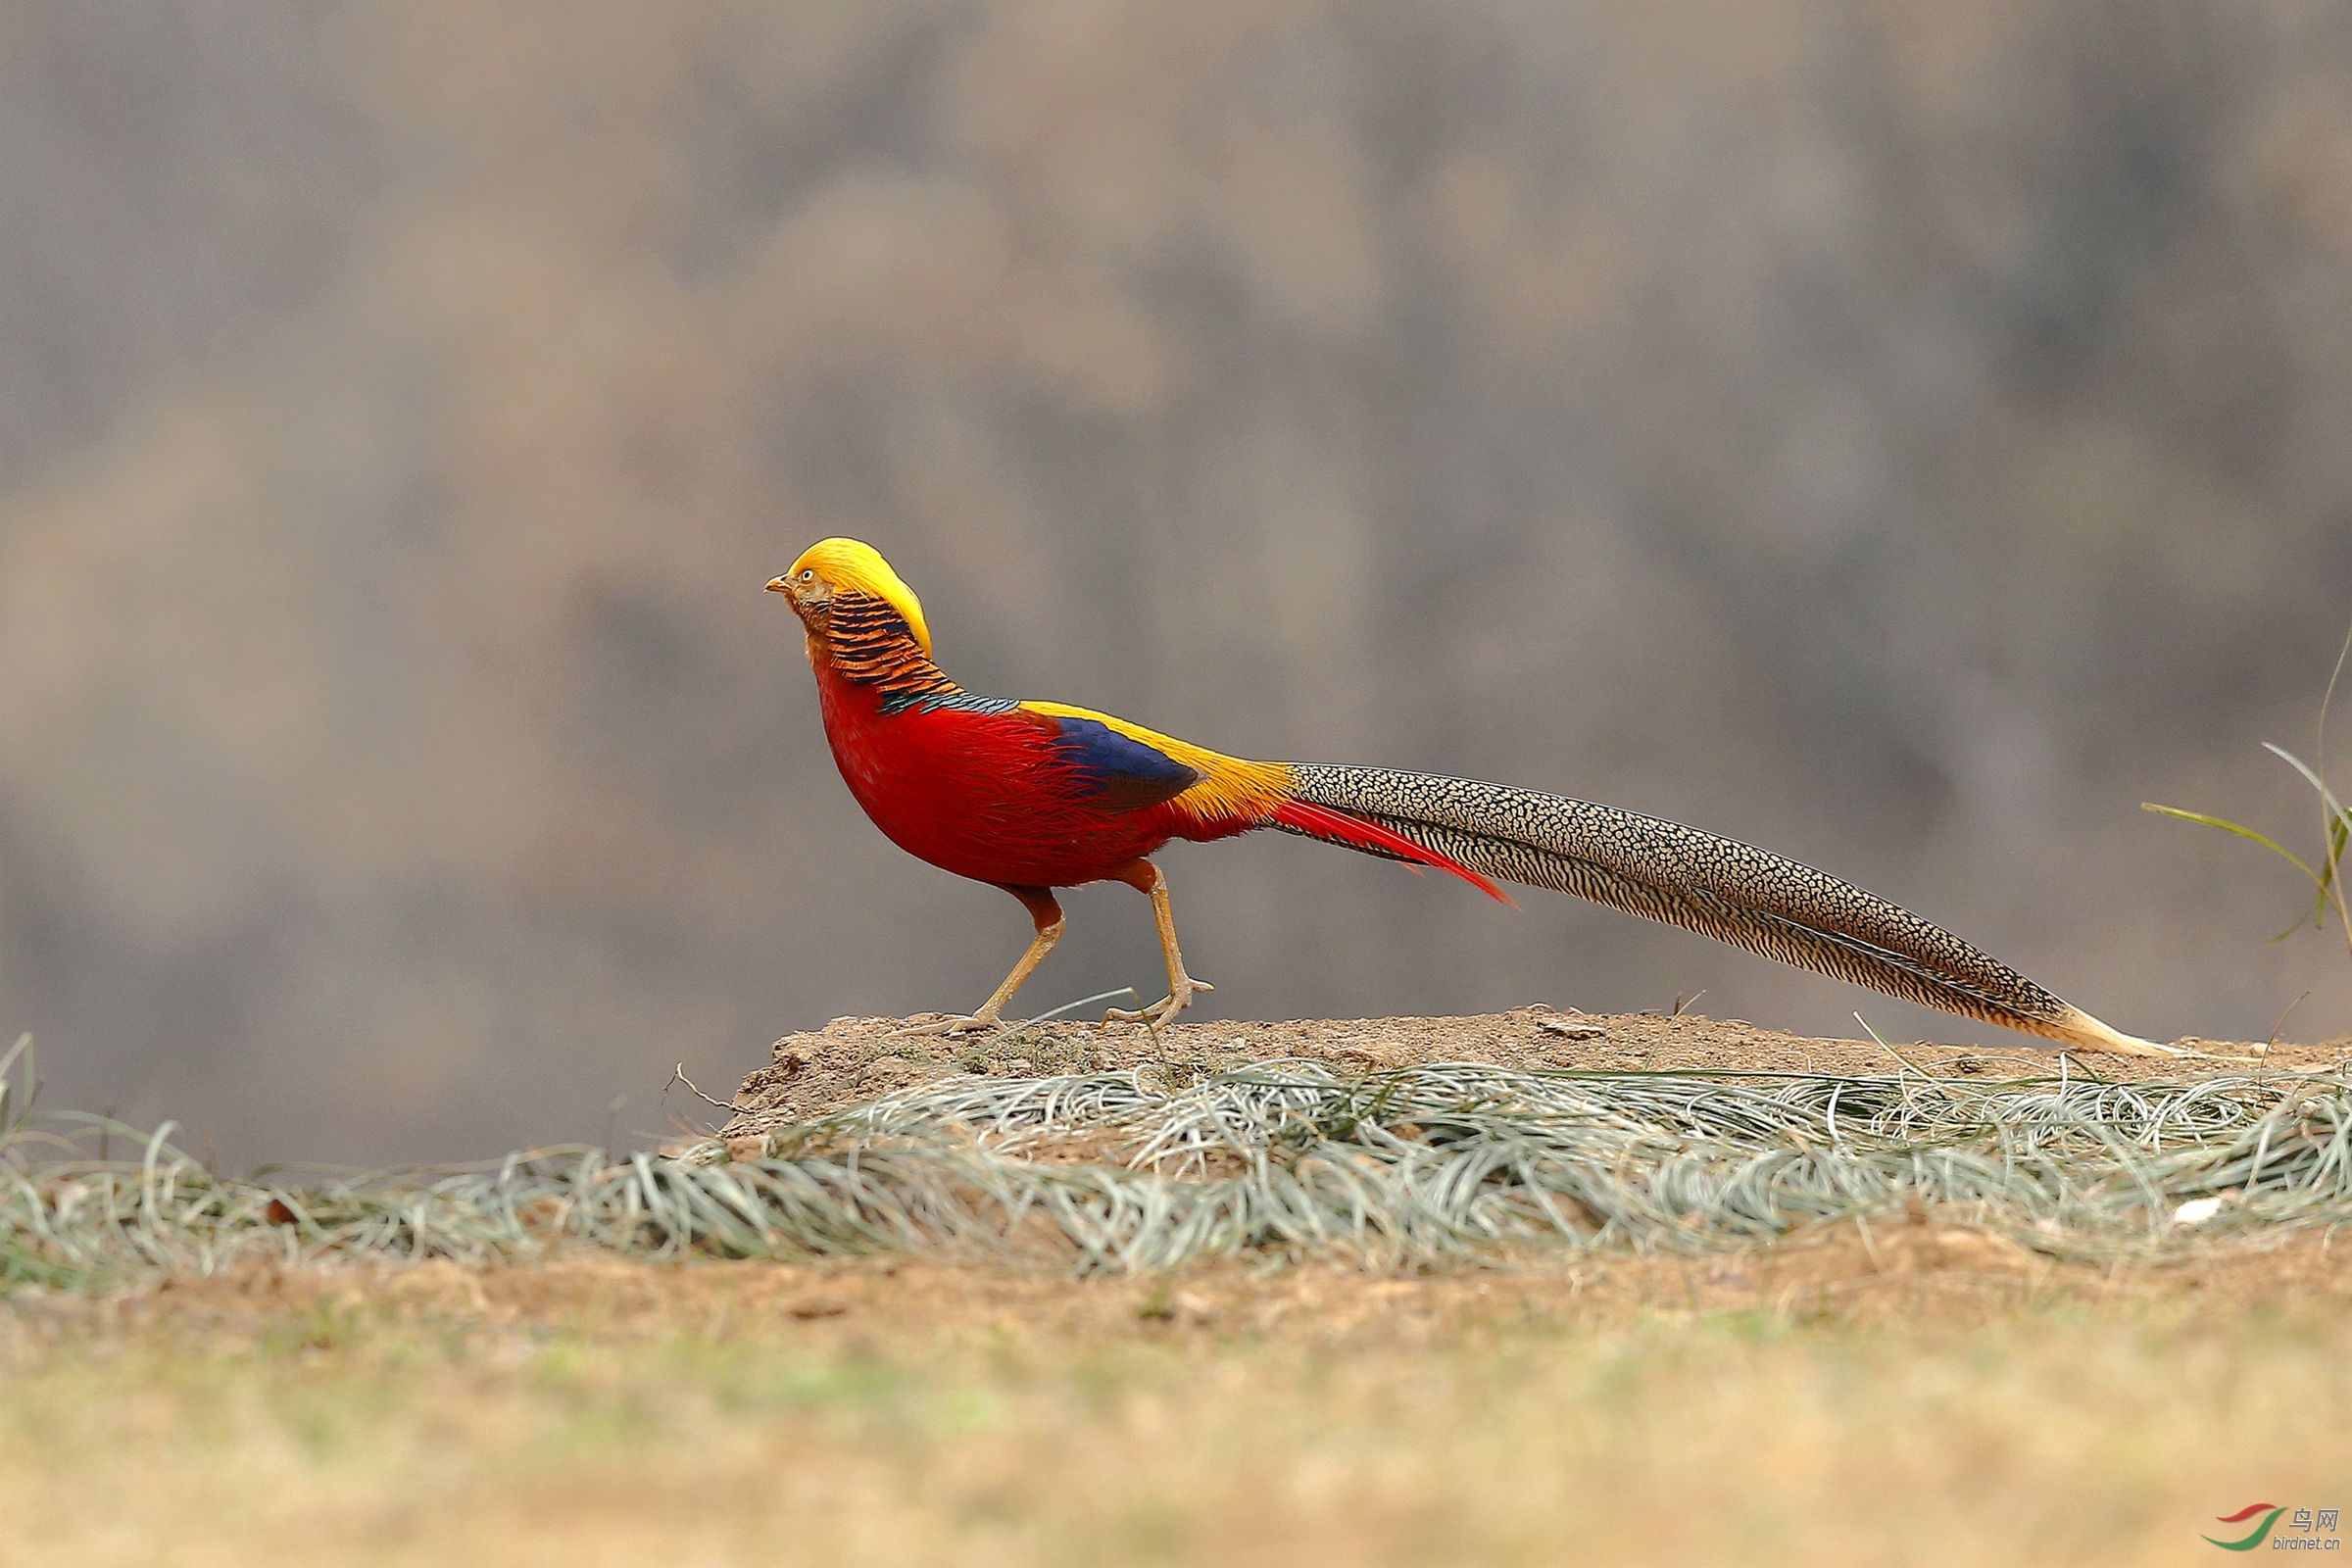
point(982, 794)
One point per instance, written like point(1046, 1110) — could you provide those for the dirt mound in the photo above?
point(853, 1060)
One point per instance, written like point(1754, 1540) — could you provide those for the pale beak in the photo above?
point(780, 585)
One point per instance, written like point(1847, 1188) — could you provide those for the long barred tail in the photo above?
point(1719, 887)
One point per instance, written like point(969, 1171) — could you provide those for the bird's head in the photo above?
point(837, 572)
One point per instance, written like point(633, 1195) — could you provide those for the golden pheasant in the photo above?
point(1038, 795)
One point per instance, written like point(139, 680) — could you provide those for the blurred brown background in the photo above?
point(1904, 436)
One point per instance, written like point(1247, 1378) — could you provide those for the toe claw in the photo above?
point(1162, 1012)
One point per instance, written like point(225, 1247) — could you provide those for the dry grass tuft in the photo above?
point(1125, 1170)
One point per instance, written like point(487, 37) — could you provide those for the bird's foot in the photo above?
point(1162, 1012)
point(948, 1023)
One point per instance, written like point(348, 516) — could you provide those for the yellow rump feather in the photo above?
point(1229, 787)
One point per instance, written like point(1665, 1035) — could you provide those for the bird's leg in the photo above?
point(1047, 912)
point(1145, 877)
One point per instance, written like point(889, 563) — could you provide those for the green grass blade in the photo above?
point(2337, 817)
point(2243, 832)
point(2336, 807)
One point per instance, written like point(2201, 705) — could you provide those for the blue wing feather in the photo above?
point(1118, 769)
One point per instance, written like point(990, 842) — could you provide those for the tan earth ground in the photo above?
point(851, 1059)
point(1906, 1391)
point(1918, 1396)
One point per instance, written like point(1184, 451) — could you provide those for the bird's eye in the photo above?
point(807, 574)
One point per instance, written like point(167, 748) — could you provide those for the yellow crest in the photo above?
point(853, 567)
